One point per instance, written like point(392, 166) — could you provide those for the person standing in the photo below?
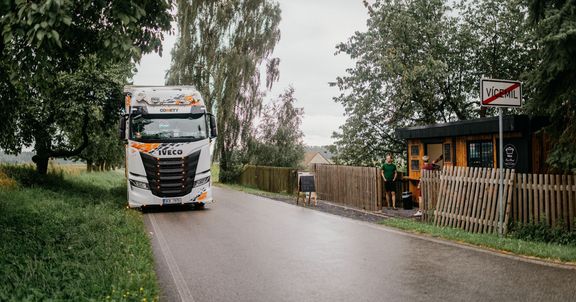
point(389, 174)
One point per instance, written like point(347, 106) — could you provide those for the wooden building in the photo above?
point(474, 143)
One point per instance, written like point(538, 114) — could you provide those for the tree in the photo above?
point(553, 79)
point(102, 86)
point(279, 139)
point(45, 42)
point(409, 71)
point(503, 46)
point(419, 63)
point(221, 48)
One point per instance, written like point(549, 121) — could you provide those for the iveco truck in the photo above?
point(168, 133)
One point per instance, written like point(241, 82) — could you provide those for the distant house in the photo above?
point(312, 157)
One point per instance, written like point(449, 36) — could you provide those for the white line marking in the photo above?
point(181, 286)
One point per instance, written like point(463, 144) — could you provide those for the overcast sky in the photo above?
point(310, 32)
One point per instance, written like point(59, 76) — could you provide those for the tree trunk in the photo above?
point(41, 163)
point(42, 147)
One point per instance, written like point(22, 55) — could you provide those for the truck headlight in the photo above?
point(201, 181)
point(139, 184)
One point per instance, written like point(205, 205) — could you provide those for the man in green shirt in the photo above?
point(389, 174)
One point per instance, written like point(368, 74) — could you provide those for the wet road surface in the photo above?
point(249, 248)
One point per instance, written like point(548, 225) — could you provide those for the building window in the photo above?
point(415, 151)
point(415, 165)
point(447, 152)
point(481, 154)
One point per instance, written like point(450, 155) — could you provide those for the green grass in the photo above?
point(554, 252)
point(215, 171)
point(70, 238)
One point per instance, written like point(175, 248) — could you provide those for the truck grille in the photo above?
point(170, 177)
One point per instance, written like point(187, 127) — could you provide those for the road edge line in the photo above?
point(181, 286)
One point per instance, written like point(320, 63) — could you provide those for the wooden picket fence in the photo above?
point(271, 179)
point(357, 187)
point(468, 198)
point(545, 198)
point(429, 187)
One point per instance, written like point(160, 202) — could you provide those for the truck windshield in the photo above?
point(168, 128)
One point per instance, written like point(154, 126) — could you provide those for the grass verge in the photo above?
point(69, 237)
point(548, 251)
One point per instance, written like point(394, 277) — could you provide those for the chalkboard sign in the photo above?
point(307, 183)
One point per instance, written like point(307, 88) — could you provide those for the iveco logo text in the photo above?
point(168, 110)
point(170, 152)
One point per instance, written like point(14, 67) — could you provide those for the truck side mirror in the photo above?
point(122, 128)
point(213, 129)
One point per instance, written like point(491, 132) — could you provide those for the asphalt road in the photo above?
point(248, 248)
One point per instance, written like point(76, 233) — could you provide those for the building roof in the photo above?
point(320, 149)
point(511, 123)
point(309, 156)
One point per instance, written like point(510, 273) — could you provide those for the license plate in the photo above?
point(171, 200)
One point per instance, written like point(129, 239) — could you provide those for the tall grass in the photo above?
point(67, 236)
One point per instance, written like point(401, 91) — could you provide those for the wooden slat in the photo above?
point(565, 201)
point(557, 200)
point(477, 197)
point(470, 196)
point(547, 199)
point(571, 181)
point(493, 193)
point(448, 196)
point(442, 196)
point(540, 198)
point(510, 179)
point(527, 207)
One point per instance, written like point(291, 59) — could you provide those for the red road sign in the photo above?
point(500, 93)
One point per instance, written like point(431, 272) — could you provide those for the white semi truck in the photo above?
point(168, 133)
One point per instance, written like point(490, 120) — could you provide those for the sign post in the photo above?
point(500, 93)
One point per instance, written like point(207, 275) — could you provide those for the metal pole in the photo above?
point(501, 166)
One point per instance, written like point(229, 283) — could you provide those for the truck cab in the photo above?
point(169, 135)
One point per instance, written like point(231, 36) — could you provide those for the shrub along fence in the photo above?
point(468, 198)
point(271, 179)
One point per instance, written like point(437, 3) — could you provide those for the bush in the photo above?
point(26, 176)
point(7, 182)
point(543, 233)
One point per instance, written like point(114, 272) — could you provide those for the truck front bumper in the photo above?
point(140, 197)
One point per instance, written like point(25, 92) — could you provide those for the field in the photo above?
point(68, 236)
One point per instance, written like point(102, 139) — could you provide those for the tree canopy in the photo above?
point(419, 62)
point(279, 139)
point(45, 43)
point(221, 48)
point(553, 78)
